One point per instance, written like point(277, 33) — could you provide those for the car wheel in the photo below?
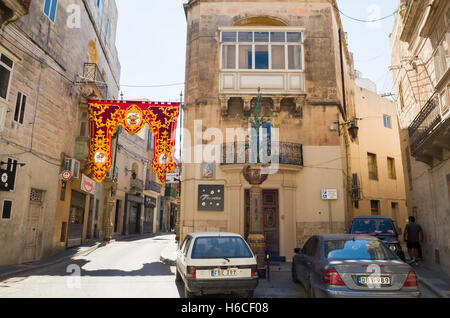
point(177, 276)
point(294, 274)
point(187, 293)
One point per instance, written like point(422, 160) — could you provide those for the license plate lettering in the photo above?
point(364, 280)
point(224, 272)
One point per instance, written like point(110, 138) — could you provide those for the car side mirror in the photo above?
point(298, 251)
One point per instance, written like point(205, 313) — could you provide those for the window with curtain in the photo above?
point(262, 50)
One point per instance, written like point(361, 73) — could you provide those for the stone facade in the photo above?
point(49, 69)
point(378, 115)
point(304, 105)
point(421, 71)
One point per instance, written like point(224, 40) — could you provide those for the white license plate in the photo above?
point(230, 272)
point(364, 280)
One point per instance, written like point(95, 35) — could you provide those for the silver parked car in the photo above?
point(345, 265)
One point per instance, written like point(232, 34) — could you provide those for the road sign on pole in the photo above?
point(172, 178)
point(66, 175)
point(330, 195)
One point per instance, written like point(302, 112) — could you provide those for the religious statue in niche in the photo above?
point(207, 170)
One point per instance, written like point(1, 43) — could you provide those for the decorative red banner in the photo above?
point(106, 116)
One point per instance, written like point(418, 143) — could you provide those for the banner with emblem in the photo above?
point(106, 116)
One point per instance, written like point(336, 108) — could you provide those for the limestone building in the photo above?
point(54, 55)
point(378, 184)
point(296, 53)
point(421, 70)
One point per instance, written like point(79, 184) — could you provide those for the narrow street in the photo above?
point(127, 269)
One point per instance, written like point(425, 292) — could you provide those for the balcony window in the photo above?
point(295, 57)
point(391, 168)
point(245, 57)
point(373, 168)
point(441, 40)
point(387, 121)
point(261, 57)
point(229, 52)
point(6, 66)
point(262, 50)
point(444, 100)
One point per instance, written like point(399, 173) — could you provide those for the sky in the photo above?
point(151, 40)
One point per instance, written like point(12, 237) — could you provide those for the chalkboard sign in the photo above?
point(211, 197)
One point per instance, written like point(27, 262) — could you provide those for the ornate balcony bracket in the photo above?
point(223, 102)
point(277, 104)
point(300, 103)
point(247, 103)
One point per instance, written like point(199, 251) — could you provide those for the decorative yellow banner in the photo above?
point(106, 116)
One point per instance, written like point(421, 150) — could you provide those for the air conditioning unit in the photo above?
point(73, 166)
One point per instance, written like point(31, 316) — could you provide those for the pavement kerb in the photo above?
point(59, 261)
point(168, 255)
point(437, 291)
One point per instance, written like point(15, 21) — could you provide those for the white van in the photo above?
point(216, 263)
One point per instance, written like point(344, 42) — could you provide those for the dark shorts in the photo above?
point(413, 245)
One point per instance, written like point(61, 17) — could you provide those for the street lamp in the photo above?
point(352, 130)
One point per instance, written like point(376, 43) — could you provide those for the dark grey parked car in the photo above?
point(345, 265)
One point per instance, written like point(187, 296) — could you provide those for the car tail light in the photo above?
point(332, 277)
point(411, 281)
point(191, 271)
point(254, 270)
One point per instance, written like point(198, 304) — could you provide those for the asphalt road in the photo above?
point(126, 269)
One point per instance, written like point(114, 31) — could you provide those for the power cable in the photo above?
point(150, 86)
point(361, 20)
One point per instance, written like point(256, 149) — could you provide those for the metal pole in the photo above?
point(331, 216)
point(178, 225)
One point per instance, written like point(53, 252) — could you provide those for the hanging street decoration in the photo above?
point(106, 116)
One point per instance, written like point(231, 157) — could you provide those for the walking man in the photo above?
point(413, 236)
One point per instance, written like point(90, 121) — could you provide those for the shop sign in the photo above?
point(150, 202)
point(6, 180)
point(87, 184)
point(211, 197)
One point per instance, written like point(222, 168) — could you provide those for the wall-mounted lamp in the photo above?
point(14, 164)
point(352, 130)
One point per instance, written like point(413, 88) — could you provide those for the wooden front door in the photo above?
point(34, 214)
point(271, 219)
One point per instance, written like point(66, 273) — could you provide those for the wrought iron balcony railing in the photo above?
point(153, 186)
point(136, 185)
point(425, 123)
point(171, 191)
point(288, 154)
point(92, 75)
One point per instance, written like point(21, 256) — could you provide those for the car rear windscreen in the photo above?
point(372, 226)
point(220, 247)
point(357, 250)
